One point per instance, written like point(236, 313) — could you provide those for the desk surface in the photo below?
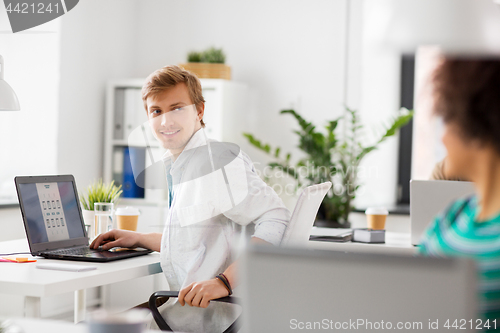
point(25, 279)
point(395, 243)
point(51, 326)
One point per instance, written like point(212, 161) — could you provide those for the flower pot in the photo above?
point(204, 70)
point(89, 221)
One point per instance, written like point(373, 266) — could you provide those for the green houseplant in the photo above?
point(330, 158)
point(211, 55)
point(209, 64)
point(97, 192)
point(100, 192)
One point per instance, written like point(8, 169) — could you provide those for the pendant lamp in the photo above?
point(8, 98)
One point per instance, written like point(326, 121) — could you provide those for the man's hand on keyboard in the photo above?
point(116, 238)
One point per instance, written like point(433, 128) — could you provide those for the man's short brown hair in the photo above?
point(467, 93)
point(167, 77)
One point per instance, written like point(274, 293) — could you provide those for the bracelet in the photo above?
point(225, 285)
point(225, 282)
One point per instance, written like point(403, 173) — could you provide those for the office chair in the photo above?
point(296, 234)
point(303, 216)
point(162, 324)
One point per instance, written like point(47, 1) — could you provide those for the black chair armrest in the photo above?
point(162, 324)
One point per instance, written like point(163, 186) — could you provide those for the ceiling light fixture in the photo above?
point(8, 98)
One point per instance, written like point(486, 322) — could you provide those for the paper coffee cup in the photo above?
point(376, 218)
point(126, 218)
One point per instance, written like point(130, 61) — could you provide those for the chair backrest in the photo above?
point(303, 216)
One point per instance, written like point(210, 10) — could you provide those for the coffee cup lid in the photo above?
point(376, 211)
point(127, 211)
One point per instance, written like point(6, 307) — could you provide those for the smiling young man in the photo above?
point(175, 114)
point(203, 227)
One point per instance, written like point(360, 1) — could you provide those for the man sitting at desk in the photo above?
point(209, 210)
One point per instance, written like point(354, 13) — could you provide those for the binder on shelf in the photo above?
point(118, 165)
point(135, 118)
point(118, 114)
point(134, 159)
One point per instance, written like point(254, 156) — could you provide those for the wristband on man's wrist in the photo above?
point(225, 282)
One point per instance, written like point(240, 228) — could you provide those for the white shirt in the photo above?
point(219, 200)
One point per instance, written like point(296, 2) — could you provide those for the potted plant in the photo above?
point(208, 64)
point(330, 159)
point(98, 192)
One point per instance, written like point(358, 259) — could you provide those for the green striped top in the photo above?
point(456, 232)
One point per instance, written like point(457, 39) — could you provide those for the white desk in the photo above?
point(26, 280)
point(52, 326)
point(395, 243)
point(397, 237)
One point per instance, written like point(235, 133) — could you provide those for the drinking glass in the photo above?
point(103, 217)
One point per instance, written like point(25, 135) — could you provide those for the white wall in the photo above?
point(289, 53)
point(11, 224)
point(97, 44)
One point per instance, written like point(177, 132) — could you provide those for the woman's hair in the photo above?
point(169, 76)
point(467, 94)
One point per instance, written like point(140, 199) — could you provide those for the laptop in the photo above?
point(53, 221)
point(430, 197)
point(289, 290)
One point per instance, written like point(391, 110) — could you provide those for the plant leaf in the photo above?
point(306, 126)
point(257, 143)
point(99, 192)
point(397, 123)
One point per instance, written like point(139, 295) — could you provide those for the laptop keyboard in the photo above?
point(76, 251)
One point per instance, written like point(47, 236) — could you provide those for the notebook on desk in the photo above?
point(53, 221)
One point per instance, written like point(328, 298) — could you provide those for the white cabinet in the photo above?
point(223, 100)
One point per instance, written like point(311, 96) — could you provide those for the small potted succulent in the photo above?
point(208, 64)
point(98, 192)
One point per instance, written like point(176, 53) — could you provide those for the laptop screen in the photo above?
point(51, 211)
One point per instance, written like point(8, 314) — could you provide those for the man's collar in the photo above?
point(196, 140)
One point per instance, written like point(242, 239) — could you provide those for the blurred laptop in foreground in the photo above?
point(297, 289)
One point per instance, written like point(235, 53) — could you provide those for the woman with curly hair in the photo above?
point(467, 97)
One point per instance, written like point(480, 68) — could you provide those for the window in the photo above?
point(406, 132)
